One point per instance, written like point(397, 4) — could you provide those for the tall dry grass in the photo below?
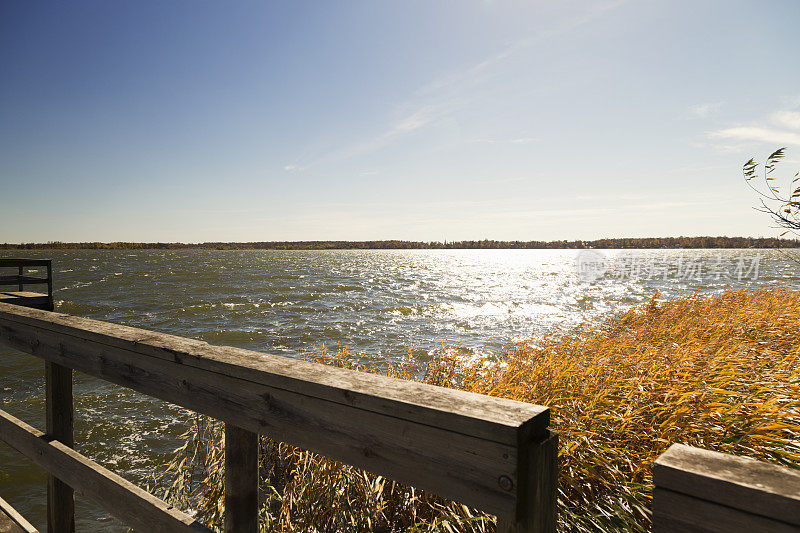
point(719, 372)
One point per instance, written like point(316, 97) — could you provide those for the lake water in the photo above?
point(382, 303)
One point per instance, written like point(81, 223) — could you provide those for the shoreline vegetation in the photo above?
point(617, 243)
point(720, 372)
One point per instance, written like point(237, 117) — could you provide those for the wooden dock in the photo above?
point(21, 278)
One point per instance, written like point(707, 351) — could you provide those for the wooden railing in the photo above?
point(703, 491)
point(493, 454)
point(13, 522)
point(21, 278)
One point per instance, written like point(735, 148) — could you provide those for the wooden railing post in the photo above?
point(60, 500)
point(21, 271)
point(50, 305)
point(538, 471)
point(241, 480)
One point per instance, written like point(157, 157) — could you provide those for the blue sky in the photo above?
point(198, 121)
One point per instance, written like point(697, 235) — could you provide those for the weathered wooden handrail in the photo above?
point(703, 491)
point(494, 454)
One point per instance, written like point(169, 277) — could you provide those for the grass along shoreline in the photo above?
point(718, 372)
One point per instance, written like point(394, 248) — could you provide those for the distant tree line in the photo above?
point(648, 242)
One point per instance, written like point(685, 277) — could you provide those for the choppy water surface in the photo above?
point(380, 302)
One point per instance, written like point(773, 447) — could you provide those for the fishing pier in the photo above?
point(21, 278)
point(493, 454)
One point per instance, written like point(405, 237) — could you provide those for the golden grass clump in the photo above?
point(719, 372)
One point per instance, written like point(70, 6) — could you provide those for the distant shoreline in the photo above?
point(620, 243)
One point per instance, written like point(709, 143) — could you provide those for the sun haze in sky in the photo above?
point(250, 121)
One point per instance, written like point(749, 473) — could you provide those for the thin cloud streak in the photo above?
point(704, 110)
point(787, 132)
point(758, 134)
point(520, 140)
point(440, 100)
point(787, 119)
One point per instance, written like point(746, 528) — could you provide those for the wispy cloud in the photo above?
point(705, 110)
point(409, 122)
point(443, 96)
point(500, 181)
point(793, 102)
point(787, 119)
point(518, 140)
point(417, 119)
point(759, 134)
point(470, 74)
point(782, 128)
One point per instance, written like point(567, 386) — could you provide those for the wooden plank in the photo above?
point(13, 522)
point(740, 482)
point(119, 497)
point(60, 498)
point(482, 416)
point(538, 511)
point(20, 279)
point(674, 512)
point(241, 480)
point(422, 435)
point(27, 299)
point(9, 262)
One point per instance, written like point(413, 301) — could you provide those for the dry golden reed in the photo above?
point(719, 372)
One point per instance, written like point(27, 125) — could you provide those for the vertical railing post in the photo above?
point(50, 305)
point(241, 480)
point(21, 271)
point(538, 477)
point(60, 500)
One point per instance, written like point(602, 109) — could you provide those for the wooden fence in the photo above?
point(702, 491)
point(493, 454)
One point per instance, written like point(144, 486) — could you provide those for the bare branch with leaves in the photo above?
point(782, 206)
